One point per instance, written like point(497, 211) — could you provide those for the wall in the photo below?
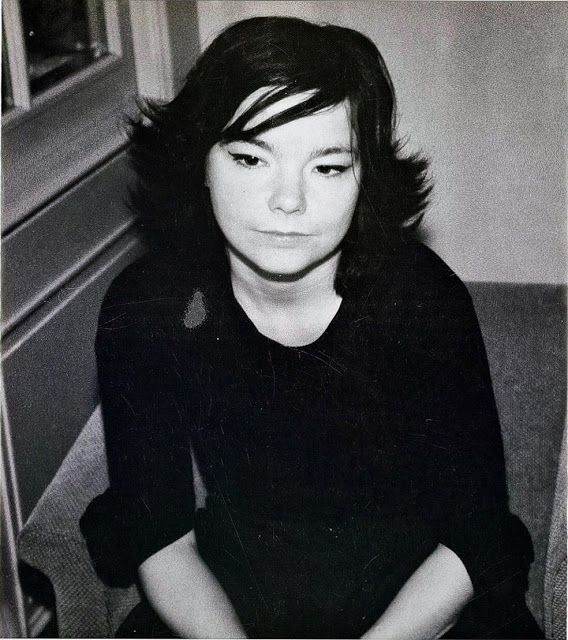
point(56, 268)
point(482, 90)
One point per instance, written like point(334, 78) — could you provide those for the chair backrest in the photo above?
point(524, 332)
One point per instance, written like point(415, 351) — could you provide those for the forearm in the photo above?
point(430, 601)
point(186, 595)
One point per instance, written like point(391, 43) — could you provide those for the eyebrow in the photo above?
point(315, 153)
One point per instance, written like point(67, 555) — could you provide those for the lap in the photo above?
point(143, 622)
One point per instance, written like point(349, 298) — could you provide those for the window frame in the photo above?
point(52, 139)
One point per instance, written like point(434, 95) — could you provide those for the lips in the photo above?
point(283, 239)
point(284, 234)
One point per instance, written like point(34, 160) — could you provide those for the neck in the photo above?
point(270, 293)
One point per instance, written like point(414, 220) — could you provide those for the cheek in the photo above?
point(225, 201)
point(232, 199)
point(225, 189)
point(338, 207)
point(234, 210)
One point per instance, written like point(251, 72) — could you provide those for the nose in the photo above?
point(288, 193)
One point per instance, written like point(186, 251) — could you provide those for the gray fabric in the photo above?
point(523, 327)
point(524, 332)
point(52, 542)
point(555, 576)
point(557, 629)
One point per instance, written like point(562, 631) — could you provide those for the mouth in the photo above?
point(284, 234)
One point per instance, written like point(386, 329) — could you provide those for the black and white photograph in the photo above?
point(283, 293)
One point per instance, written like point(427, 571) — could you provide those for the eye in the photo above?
point(246, 160)
point(330, 170)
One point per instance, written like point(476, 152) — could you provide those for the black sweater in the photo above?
point(333, 470)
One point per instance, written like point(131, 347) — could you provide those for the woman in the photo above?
point(325, 371)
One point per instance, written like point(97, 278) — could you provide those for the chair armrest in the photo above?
point(555, 572)
point(51, 542)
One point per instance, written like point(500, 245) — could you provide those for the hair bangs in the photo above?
point(323, 98)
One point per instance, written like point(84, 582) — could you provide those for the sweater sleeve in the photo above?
point(150, 502)
point(466, 498)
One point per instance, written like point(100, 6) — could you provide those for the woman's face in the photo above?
point(284, 200)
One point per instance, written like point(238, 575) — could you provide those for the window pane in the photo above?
point(7, 100)
point(62, 37)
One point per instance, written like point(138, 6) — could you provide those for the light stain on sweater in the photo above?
point(195, 312)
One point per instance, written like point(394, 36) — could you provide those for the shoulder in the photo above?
point(158, 292)
point(421, 274)
point(412, 274)
point(412, 295)
point(416, 282)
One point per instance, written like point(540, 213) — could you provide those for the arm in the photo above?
point(142, 524)
point(150, 501)
point(464, 497)
point(185, 594)
point(429, 602)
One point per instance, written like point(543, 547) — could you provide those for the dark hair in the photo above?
point(170, 142)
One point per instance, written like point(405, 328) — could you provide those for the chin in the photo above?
point(282, 266)
point(282, 271)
